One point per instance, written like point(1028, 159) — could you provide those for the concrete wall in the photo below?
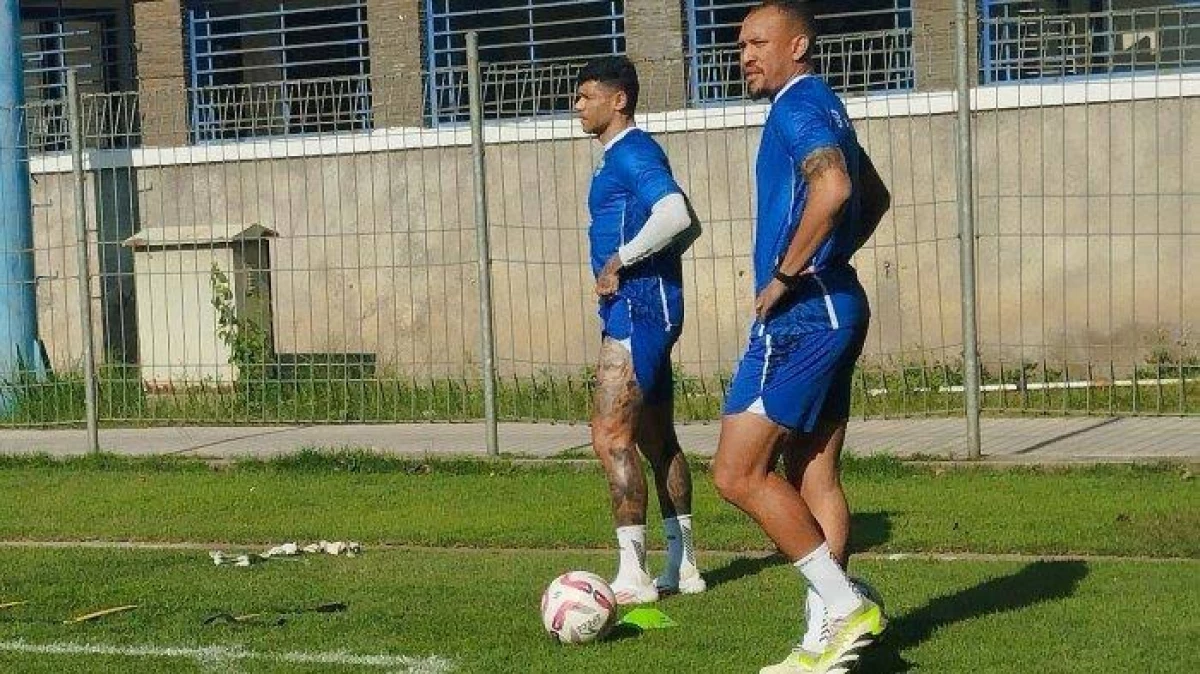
point(1085, 222)
point(1084, 239)
point(56, 266)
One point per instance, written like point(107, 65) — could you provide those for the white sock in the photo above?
point(681, 552)
point(829, 581)
point(632, 541)
point(814, 622)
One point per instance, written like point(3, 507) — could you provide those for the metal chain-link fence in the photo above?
point(307, 256)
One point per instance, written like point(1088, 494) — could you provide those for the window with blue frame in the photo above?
point(863, 46)
point(260, 68)
point(1046, 39)
point(56, 35)
point(531, 52)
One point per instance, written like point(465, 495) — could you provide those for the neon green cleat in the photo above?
point(799, 661)
point(849, 635)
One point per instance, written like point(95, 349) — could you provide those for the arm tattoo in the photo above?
point(821, 160)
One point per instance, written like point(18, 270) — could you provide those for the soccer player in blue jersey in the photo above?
point(640, 226)
point(819, 199)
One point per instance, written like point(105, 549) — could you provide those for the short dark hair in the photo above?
point(798, 10)
point(614, 71)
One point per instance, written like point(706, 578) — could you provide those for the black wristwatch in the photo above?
point(788, 281)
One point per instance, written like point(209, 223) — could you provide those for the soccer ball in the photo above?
point(578, 607)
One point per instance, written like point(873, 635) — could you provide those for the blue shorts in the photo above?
point(796, 379)
point(649, 343)
point(651, 355)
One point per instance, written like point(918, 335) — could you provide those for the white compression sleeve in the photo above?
point(668, 219)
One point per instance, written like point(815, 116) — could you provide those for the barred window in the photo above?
point(867, 48)
point(531, 52)
point(1027, 39)
point(56, 35)
point(272, 68)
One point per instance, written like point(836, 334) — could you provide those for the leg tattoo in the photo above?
point(617, 406)
point(679, 484)
point(627, 486)
point(672, 476)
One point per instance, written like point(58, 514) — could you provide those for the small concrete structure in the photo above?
point(175, 270)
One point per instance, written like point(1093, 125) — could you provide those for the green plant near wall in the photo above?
point(247, 339)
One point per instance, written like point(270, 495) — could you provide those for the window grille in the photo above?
point(531, 52)
point(276, 68)
point(865, 49)
point(1027, 40)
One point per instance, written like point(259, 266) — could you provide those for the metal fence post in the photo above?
point(966, 229)
point(486, 330)
point(75, 120)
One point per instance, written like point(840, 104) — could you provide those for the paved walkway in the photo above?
point(1086, 439)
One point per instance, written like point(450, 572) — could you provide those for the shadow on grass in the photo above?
point(742, 567)
point(622, 631)
point(1034, 584)
point(867, 530)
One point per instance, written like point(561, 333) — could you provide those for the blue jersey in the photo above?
point(805, 117)
point(632, 177)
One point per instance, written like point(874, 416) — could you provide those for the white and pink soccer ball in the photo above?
point(578, 607)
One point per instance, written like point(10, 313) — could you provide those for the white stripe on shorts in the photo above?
point(833, 319)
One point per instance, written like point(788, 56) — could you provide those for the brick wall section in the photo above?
point(162, 77)
point(933, 43)
point(394, 30)
point(654, 40)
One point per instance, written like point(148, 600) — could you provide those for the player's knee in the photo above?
point(732, 483)
point(609, 433)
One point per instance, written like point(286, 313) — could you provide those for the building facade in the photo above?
point(219, 70)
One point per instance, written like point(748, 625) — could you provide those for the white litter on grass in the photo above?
point(285, 550)
point(336, 548)
point(351, 549)
point(210, 655)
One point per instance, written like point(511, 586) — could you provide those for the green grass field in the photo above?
point(457, 554)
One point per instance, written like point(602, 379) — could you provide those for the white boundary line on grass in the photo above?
point(897, 556)
point(217, 655)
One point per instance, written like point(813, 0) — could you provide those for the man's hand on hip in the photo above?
point(609, 279)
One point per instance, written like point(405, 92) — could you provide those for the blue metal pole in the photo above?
point(18, 310)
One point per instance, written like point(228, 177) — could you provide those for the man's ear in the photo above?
point(801, 46)
point(620, 101)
